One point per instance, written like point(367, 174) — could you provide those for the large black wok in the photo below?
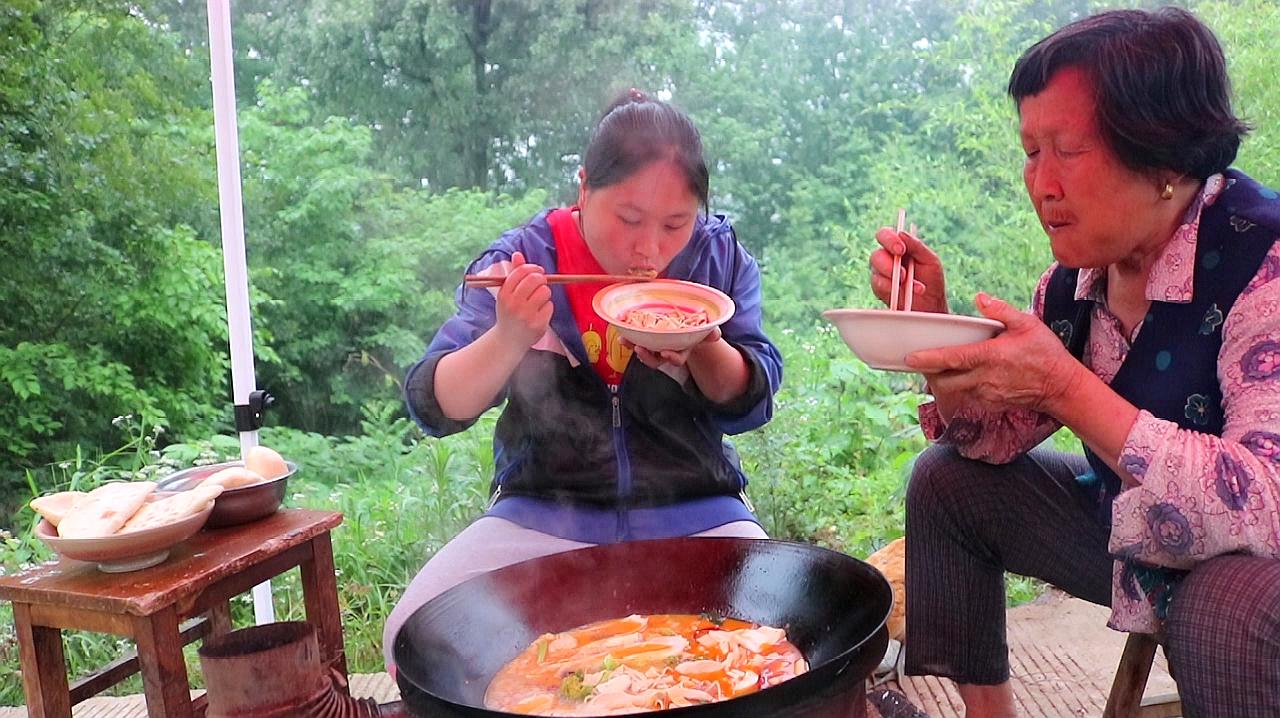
point(833, 608)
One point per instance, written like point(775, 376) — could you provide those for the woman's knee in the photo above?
point(935, 476)
point(1225, 614)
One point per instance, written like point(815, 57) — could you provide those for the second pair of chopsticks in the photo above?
point(897, 270)
point(486, 280)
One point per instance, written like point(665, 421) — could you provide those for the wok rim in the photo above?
point(836, 665)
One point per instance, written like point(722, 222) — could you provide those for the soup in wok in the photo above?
point(643, 663)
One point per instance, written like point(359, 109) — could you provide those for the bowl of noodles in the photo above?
point(663, 314)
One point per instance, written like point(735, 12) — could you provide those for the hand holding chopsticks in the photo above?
point(924, 288)
point(486, 280)
point(897, 271)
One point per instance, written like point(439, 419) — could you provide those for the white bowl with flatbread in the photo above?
point(122, 526)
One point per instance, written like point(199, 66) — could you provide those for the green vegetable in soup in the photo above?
point(574, 687)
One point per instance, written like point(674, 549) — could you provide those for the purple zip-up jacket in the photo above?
point(577, 460)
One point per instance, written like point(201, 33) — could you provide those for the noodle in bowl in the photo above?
point(664, 314)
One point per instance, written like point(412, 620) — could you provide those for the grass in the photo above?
point(830, 469)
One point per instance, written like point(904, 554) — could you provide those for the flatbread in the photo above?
point(233, 478)
point(172, 509)
point(105, 509)
point(892, 562)
point(56, 506)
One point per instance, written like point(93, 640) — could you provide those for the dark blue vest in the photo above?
point(1171, 369)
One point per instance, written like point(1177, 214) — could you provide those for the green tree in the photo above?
point(109, 297)
point(1246, 30)
point(493, 94)
point(352, 274)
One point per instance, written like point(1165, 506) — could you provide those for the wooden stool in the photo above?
point(197, 580)
point(1125, 699)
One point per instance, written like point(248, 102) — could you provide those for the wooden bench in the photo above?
point(1126, 697)
point(150, 606)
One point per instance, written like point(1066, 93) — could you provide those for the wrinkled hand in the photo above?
point(524, 304)
point(930, 286)
point(676, 358)
point(1026, 366)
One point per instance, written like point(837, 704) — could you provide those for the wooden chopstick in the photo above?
point(486, 280)
point(897, 264)
point(911, 277)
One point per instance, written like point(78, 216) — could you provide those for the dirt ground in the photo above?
point(1063, 658)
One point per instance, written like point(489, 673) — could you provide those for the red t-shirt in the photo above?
point(602, 341)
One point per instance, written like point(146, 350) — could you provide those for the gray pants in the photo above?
point(491, 543)
point(968, 522)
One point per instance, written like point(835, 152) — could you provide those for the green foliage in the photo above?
point(832, 464)
point(367, 127)
point(351, 272)
point(1246, 30)
point(109, 300)
point(489, 95)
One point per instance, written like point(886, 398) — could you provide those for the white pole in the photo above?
point(227, 139)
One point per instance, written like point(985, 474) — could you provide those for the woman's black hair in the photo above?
point(637, 129)
point(1160, 84)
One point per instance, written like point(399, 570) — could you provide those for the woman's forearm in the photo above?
point(468, 380)
point(1098, 415)
point(719, 370)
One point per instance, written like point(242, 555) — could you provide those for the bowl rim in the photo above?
point(164, 483)
point(731, 307)
point(934, 317)
point(48, 533)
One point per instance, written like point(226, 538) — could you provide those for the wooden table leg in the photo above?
point(219, 619)
point(164, 672)
point(44, 668)
point(1127, 687)
point(320, 594)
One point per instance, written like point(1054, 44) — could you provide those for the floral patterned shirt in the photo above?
point(1199, 495)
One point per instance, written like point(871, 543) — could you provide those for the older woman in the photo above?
point(1156, 339)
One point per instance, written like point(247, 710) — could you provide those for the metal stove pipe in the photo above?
point(274, 671)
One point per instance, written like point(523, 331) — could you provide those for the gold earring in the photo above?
point(1167, 192)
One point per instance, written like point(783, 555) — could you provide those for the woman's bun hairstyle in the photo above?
point(636, 130)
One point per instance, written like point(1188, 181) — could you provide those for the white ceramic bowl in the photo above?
point(882, 338)
point(615, 300)
point(130, 551)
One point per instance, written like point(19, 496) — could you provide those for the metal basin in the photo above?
point(233, 506)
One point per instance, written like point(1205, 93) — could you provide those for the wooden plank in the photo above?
point(44, 672)
point(320, 594)
point(127, 665)
point(249, 576)
point(66, 618)
point(164, 672)
point(1131, 677)
point(219, 617)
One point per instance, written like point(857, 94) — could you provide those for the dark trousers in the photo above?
point(968, 522)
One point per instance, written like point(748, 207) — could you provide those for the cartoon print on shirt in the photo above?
point(618, 355)
point(591, 342)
